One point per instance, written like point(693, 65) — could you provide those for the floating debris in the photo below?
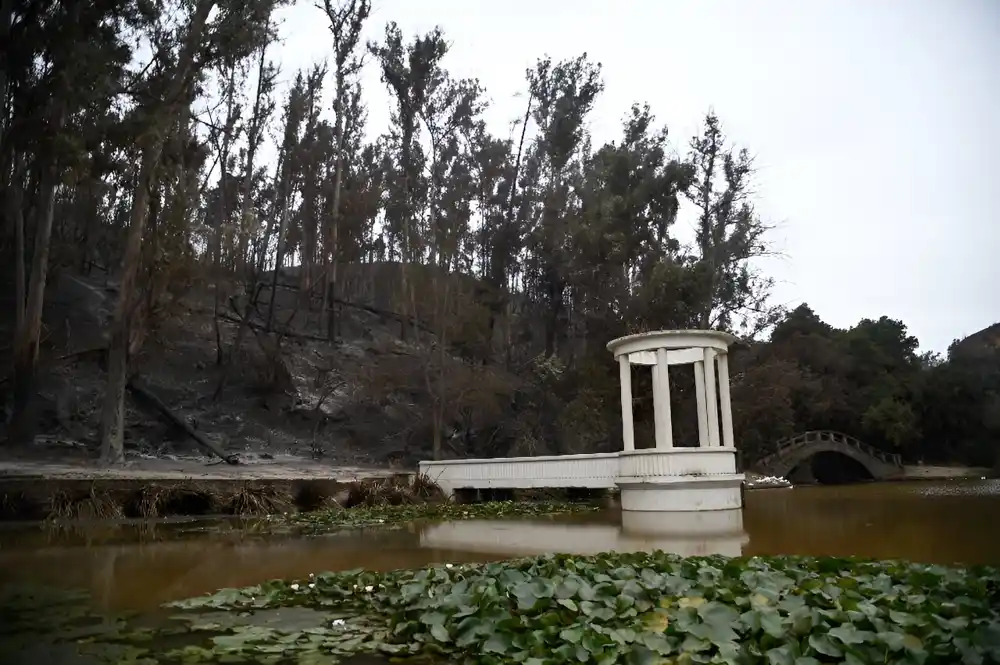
point(756, 482)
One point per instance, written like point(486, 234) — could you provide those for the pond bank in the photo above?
point(67, 499)
point(307, 504)
point(193, 486)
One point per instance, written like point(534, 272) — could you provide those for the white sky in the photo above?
point(874, 123)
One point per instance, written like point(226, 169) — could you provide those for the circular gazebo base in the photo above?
point(682, 493)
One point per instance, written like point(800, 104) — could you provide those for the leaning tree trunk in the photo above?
point(338, 180)
point(113, 414)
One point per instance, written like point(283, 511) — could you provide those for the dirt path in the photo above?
point(278, 467)
point(928, 472)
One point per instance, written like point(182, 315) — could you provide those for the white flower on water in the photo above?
point(449, 565)
point(295, 587)
point(336, 623)
point(312, 585)
point(369, 588)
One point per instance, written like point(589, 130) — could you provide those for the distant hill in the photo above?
point(987, 339)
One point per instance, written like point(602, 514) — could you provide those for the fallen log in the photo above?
point(377, 311)
point(261, 328)
point(384, 313)
point(142, 393)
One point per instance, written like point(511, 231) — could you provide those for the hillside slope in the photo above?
point(361, 401)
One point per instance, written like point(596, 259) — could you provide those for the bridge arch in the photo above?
point(796, 450)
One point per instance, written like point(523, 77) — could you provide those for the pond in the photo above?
point(140, 566)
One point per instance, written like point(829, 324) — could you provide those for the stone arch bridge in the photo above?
point(792, 452)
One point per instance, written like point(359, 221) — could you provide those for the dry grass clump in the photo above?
point(424, 488)
point(376, 492)
point(97, 505)
point(149, 501)
point(157, 500)
point(393, 491)
point(250, 500)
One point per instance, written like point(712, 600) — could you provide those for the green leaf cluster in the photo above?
point(642, 608)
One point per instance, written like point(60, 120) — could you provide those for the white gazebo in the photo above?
point(679, 478)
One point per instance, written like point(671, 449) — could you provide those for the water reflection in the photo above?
point(722, 533)
point(939, 522)
point(142, 566)
point(147, 573)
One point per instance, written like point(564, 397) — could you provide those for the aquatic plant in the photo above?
point(617, 608)
point(253, 499)
point(332, 519)
point(423, 487)
point(390, 491)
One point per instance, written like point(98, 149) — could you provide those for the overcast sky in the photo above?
point(874, 124)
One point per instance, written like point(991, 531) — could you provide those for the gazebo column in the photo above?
point(699, 393)
point(625, 378)
point(712, 402)
point(661, 401)
point(725, 405)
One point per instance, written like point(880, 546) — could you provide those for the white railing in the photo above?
point(676, 462)
point(595, 471)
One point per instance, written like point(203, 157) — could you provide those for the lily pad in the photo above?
point(609, 608)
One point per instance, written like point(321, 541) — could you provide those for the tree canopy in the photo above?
point(131, 136)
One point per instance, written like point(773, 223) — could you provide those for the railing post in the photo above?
point(725, 402)
point(699, 390)
point(628, 425)
point(661, 402)
point(711, 398)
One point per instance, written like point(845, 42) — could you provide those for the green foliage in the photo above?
point(893, 419)
point(867, 381)
point(618, 608)
point(959, 407)
point(730, 292)
point(575, 241)
point(583, 423)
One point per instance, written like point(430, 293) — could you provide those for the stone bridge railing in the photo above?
point(827, 440)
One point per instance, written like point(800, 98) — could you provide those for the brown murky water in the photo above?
point(141, 566)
